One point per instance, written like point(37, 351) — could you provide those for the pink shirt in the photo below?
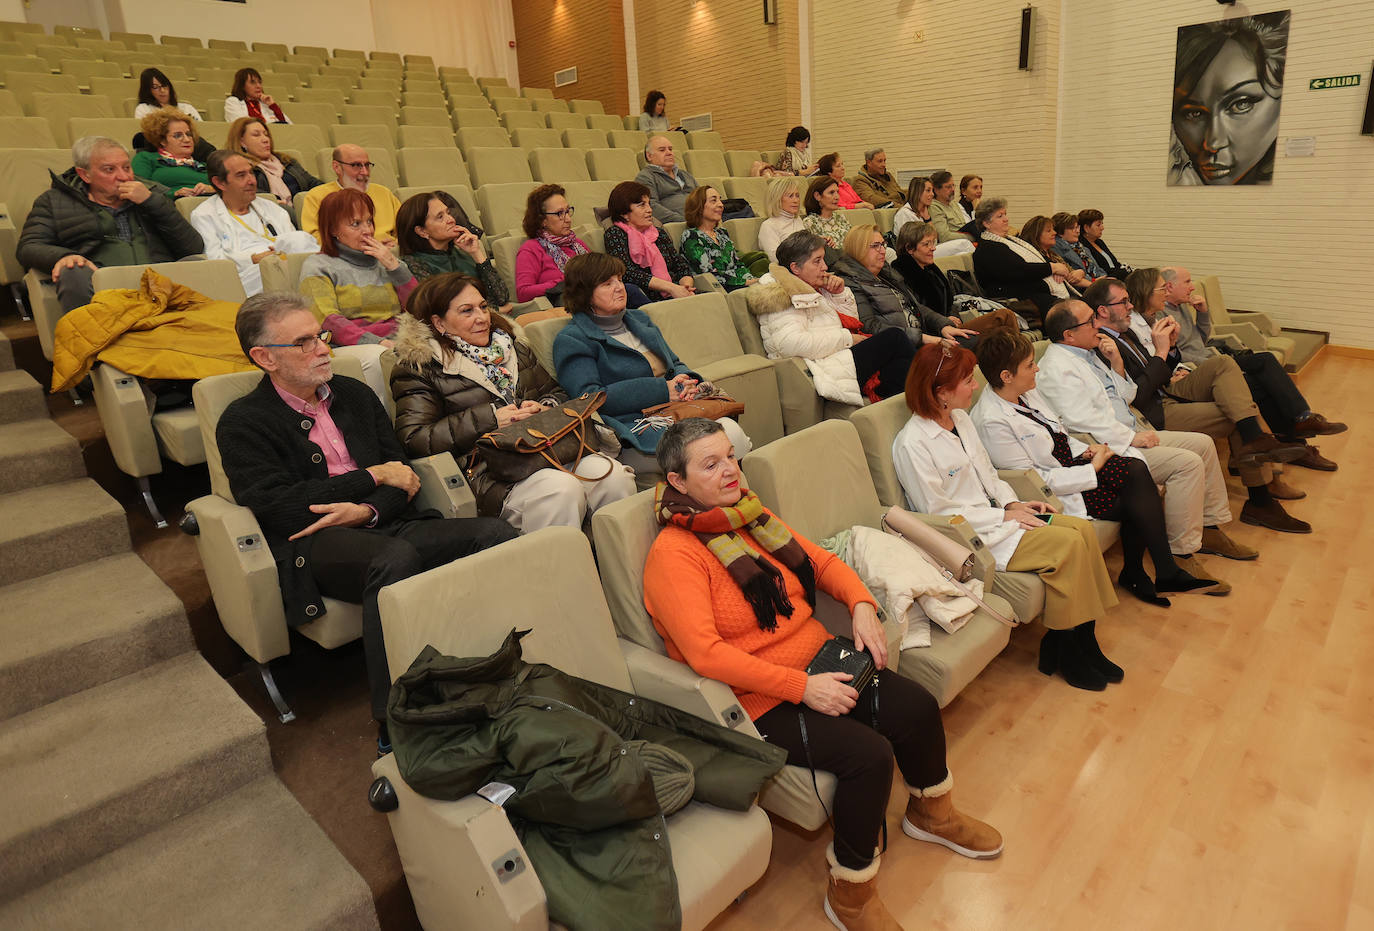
point(325, 434)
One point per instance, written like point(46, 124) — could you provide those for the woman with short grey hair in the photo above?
point(1011, 268)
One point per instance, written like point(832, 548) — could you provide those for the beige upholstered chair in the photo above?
point(464, 864)
point(1255, 330)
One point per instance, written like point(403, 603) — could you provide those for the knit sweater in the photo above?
point(353, 296)
point(149, 166)
point(707, 623)
point(425, 263)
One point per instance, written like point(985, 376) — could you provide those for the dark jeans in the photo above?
point(888, 355)
point(860, 755)
point(1279, 400)
point(353, 564)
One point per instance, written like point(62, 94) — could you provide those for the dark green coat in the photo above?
point(584, 804)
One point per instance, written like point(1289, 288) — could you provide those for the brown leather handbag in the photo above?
point(712, 406)
point(555, 438)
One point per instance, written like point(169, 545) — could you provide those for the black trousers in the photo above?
point(860, 751)
point(354, 563)
point(1278, 398)
point(1140, 511)
point(887, 354)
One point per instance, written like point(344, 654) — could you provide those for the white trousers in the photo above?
point(552, 498)
point(1194, 488)
point(953, 247)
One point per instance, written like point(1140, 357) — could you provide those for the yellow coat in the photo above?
point(160, 330)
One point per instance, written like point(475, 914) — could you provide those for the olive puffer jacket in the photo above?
point(584, 804)
point(445, 406)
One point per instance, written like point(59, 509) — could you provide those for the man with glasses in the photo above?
point(315, 458)
point(352, 169)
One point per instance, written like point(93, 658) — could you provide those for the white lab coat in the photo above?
point(942, 475)
point(226, 238)
point(1079, 399)
point(1014, 441)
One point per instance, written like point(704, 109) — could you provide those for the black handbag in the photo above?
point(839, 654)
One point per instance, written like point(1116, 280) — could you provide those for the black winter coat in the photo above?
point(885, 302)
point(1003, 273)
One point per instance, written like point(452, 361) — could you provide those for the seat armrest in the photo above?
point(1261, 321)
point(1029, 486)
point(528, 307)
point(442, 486)
point(45, 306)
point(1248, 334)
point(1229, 340)
point(127, 421)
point(665, 680)
point(705, 282)
point(10, 269)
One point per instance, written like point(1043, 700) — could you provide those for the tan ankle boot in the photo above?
point(931, 816)
point(851, 901)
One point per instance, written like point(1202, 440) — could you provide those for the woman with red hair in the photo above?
point(944, 469)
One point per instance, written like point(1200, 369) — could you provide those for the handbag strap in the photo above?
point(815, 785)
point(580, 431)
point(950, 577)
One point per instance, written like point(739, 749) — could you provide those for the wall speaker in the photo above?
point(1368, 127)
point(1027, 37)
point(770, 12)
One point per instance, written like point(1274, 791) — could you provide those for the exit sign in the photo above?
point(1344, 80)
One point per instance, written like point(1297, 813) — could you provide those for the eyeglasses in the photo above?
point(561, 214)
point(1124, 300)
point(877, 245)
point(944, 354)
point(1163, 287)
point(306, 344)
point(359, 166)
point(178, 135)
point(157, 87)
point(1077, 325)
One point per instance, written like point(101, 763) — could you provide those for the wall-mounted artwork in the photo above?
point(1228, 86)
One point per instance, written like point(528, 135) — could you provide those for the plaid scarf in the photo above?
point(759, 579)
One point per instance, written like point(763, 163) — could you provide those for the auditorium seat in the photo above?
point(603, 122)
point(502, 165)
point(705, 163)
point(583, 139)
point(425, 137)
point(705, 139)
point(537, 138)
point(27, 132)
point(744, 233)
point(25, 84)
point(432, 167)
point(371, 116)
point(373, 98)
point(753, 190)
point(586, 106)
point(299, 137)
point(586, 197)
point(562, 121)
point(521, 119)
point(631, 139)
point(558, 165)
point(741, 162)
point(425, 98)
point(425, 116)
point(26, 63)
point(370, 137)
point(549, 105)
point(503, 206)
point(474, 119)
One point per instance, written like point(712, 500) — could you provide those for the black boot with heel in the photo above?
point(1061, 651)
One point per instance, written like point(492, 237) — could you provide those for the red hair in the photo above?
point(337, 209)
point(931, 372)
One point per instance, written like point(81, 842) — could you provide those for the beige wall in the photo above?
point(552, 35)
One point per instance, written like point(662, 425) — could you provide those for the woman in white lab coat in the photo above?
point(944, 469)
point(1021, 431)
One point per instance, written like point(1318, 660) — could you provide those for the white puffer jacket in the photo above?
point(798, 322)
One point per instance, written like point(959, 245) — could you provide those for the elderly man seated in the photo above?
point(97, 213)
point(946, 213)
point(314, 457)
point(668, 184)
point(875, 185)
point(353, 170)
point(241, 227)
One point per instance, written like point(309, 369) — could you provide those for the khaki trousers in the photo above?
point(1068, 560)
point(551, 498)
point(1210, 400)
point(1194, 488)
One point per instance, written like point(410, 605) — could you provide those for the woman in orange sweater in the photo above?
point(732, 591)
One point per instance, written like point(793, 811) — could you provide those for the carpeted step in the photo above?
point(37, 452)
point(101, 768)
point(21, 398)
point(251, 859)
point(70, 630)
point(56, 526)
point(6, 354)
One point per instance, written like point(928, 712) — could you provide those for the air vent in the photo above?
point(566, 76)
point(699, 123)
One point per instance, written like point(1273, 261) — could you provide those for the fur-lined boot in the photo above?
point(851, 901)
point(931, 816)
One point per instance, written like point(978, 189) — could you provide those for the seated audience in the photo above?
point(1070, 250)
point(806, 313)
point(823, 214)
point(653, 267)
point(621, 352)
point(654, 117)
point(833, 166)
point(276, 172)
point(155, 91)
point(668, 184)
point(915, 262)
point(944, 469)
point(1039, 232)
point(920, 197)
point(433, 241)
point(795, 157)
point(970, 193)
point(550, 244)
point(1092, 223)
point(248, 99)
point(97, 213)
point(356, 285)
point(1020, 431)
point(461, 372)
point(335, 503)
point(353, 170)
point(731, 589)
point(707, 247)
point(239, 226)
point(875, 185)
point(171, 162)
point(946, 212)
point(783, 205)
point(883, 299)
point(1008, 267)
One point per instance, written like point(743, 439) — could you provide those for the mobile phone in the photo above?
point(1047, 518)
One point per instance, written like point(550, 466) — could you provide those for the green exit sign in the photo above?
point(1344, 80)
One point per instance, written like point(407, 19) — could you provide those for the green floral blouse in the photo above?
point(832, 231)
point(715, 257)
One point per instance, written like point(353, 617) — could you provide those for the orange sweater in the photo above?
point(706, 622)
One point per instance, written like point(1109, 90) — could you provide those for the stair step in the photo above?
point(56, 526)
point(100, 768)
point(6, 353)
point(21, 398)
point(37, 452)
point(253, 859)
point(74, 629)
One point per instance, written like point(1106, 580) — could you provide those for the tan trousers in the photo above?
point(1066, 556)
point(550, 498)
point(1194, 488)
point(1211, 399)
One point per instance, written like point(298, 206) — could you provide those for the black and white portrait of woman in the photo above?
point(1228, 86)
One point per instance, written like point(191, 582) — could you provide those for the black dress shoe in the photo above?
point(1141, 587)
point(1273, 517)
point(1061, 652)
point(1086, 636)
point(1312, 458)
point(1317, 425)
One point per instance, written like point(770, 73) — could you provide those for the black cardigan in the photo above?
point(1002, 273)
point(929, 284)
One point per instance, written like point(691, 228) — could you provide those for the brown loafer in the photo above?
point(1284, 491)
point(1217, 543)
point(1267, 448)
point(1317, 425)
point(1272, 516)
point(1313, 459)
point(1193, 566)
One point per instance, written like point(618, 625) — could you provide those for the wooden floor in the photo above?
point(1227, 783)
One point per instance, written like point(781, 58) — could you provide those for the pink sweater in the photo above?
point(536, 271)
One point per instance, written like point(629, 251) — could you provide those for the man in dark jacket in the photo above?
point(98, 214)
point(314, 457)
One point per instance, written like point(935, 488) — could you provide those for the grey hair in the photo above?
point(797, 248)
point(649, 143)
point(84, 149)
point(262, 310)
point(1169, 274)
point(672, 446)
point(986, 208)
point(871, 154)
point(911, 234)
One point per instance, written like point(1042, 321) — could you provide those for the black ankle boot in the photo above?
point(1139, 585)
point(1085, 635)
point(1060, 652)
